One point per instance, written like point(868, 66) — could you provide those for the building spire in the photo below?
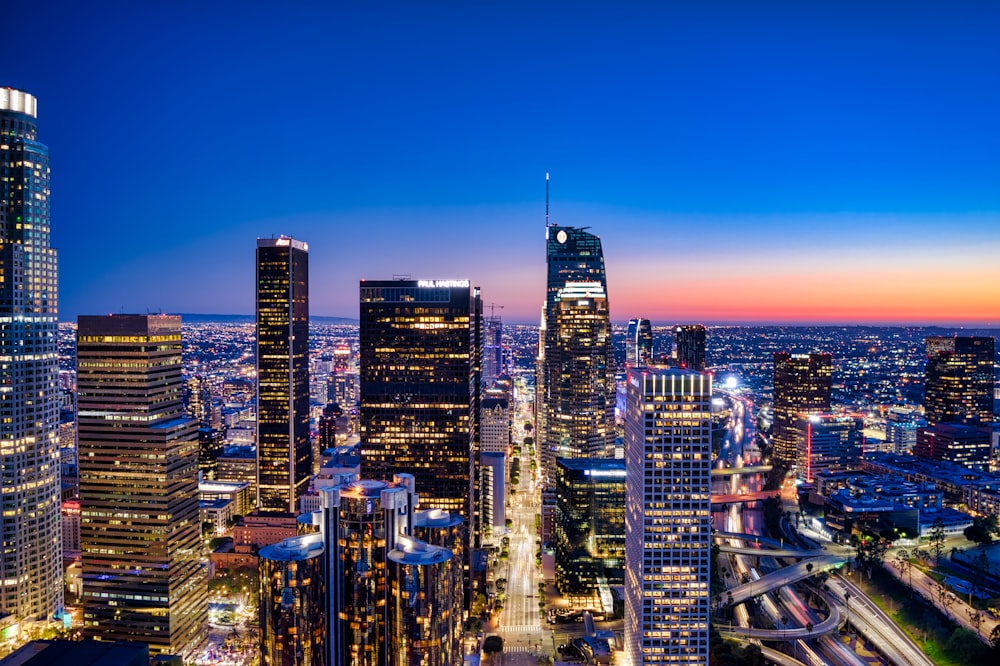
point(547, 225)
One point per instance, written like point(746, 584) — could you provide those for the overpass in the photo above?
point(756, 538)
point(770, 552)
point(832, 621)
point(730, 471)
point(744, 497)
point(781, 578)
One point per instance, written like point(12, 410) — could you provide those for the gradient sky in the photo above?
point(764, 161)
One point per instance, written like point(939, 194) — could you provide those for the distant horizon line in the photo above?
point(658, 323)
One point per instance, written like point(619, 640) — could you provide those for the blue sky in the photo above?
point(726, 153)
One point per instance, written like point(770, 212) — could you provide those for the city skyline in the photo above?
point(825, 164)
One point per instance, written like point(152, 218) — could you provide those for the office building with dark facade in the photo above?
point(420, 387)
point(638, 343)
point(575, 389)
point(958, 380)
point(802, 383)
point(31, 559)
point(140, 531)
point(284, 452)
point(293, 604)
point(589, 525)
point(689, 341)
point(828, 443)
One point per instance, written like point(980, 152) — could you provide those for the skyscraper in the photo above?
point(668, 461)
point(958, 380)
point(827, 443)
point(140, 531)
point(575, 370)
point(638, 343)
point(802, 383)
point(420, 355)
point(690, 343)
point(492, 349)
point(31, 557)
point(284, 452)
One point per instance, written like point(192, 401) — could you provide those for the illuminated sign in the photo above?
point(459, 284)
point(606, 473)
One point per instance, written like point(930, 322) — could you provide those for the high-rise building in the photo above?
point(901, 427)
point(638, 343)
point(802, 383)
point(827, 443)
point(958, 380)
point(668, 461)
point(492, 349)
point(31, 558)
point(590, 527)
point(293, 612)
point(420, 386)
point(574, 321)
point(966, 445)
point(580, 387)
point(140, 532)
point(689, 342)
point(284, 452)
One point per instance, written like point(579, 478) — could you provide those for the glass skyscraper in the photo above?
point(802, 383)
point(31, 557)
point(958, 380)
point(284, 452)
point(690, 343)
point(575, 365)
point(638, 343)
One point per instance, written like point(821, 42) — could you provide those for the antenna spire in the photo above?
point(547, 200)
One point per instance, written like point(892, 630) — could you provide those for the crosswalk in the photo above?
point(523, 649)
point(513, 629)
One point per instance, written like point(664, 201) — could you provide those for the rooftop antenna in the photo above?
point(547, 225)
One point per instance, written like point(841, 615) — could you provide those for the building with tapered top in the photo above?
point(638, 343)
point(140, 530)
point(575, 390)
point(31, 557)
point(284, 452)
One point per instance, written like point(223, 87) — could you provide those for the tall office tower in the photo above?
point(580, 390)
point(802, 383)
point(198, 400)
point(958, 380)
point(284, 452)
point(828, 443)
point(211, 444)
point(668, 460)
point(492, 349)
point(638, 343)
point(420, 351)
point(689, 341)
point(564, 388)
point(31, 559)
point(328, 426)
point(140, 531)
point(590, 528)
point(958, 443)
point(293, 614)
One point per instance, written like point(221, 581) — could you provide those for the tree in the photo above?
point(975, 617)
point(493, 645)
point(937, 538)
point(995, 637)
point(904, 565)
point(871, 552)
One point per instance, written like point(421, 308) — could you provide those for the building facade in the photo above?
point(958, 380)
point(564, 390)
point(638, 343)
point(667, 516)
point(802, 383)
point(140, 531)
point(293, 608)
point(827, 443)
point(284, 452)
point(420, 387)
point(31, 559)
point(689, 341)
point(589, 526)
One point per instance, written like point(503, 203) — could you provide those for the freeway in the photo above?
point(767, 552)
point(832, 621)
point(756, 538)
point(782, 577)
point(731, 471)
point(735, 498)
